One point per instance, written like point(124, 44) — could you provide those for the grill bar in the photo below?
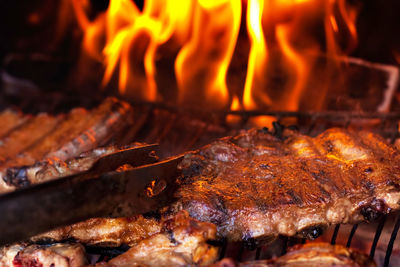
point(391, 241)
point(335, 233)
point(333, 114)
point(241, 251)
point(353, 231)
point(258, 253)
point(284, 245)
point(377, 236)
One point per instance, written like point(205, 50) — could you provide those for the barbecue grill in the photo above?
point(167, 121)
point(180, 128)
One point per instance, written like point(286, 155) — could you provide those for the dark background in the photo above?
point(37, 27)
point(30, 26)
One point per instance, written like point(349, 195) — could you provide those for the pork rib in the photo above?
point(109, 232)
point(11, 120)
point(182, 242)
point(260, 185)
point(57, 139)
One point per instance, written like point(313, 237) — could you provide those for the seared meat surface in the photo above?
point(11, 120)
point(51, 169)
point(55, 139)
point(181, 242)
point(60, 255)
point(260, 185)
point(109, 232)
point(313, 254)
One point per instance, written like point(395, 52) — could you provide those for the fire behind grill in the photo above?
point(179, 130)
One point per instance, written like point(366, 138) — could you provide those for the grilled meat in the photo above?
point(257, 185)
point(27, 135)
point(11, 120)
point(60, 255)
point(313, 254)
point(260, 185)
point(51, 169)
point(57, 139)
point(182, 242)
point(110, 232)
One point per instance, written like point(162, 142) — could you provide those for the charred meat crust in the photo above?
point(260, 184)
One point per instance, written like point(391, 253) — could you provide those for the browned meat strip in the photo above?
point(182, 242)
point(60, 255)
point(260, 185)
point(52, 169)
point(83, 131)
point(11, 120)
point(27, 135)
point(106, 231)
point(80, 131)
point(29, 156)
point(314, 254)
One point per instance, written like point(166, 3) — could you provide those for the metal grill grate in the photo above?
point(179, 130)
point(212, 124)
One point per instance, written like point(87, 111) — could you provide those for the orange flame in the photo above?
point(201, 65)
point(235, 105)
point(299, 65)
point(339, 11)
point(258, 54)
point(203, 36)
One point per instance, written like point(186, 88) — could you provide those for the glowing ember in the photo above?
point(200, 36)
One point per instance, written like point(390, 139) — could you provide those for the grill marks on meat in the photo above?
point(11, 120)
point(181, 242)
point(27, 135)
point(256, 185)
point(109, 118)
point(313, 254)
point(60, 255)
point(57, 139)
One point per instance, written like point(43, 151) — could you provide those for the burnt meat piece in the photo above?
point(60, 255)
point(181, 242)
point(313, 254)
point(57, 139)
point(258, 185)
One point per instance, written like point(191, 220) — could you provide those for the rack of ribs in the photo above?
point(261, 184)
point(26, 140)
